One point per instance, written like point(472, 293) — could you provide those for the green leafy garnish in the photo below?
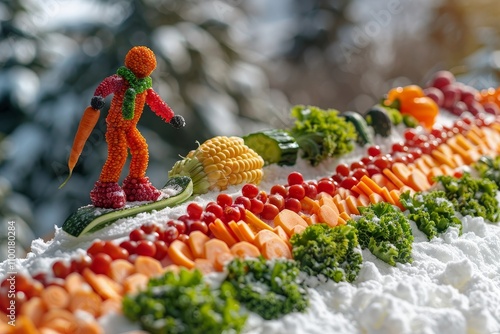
point(489, 168)
point(331, 252)
point(184, 303)
point(268, 288)
point(321, 134)
point(432, 212)
point(472, 196)
point(386, 232)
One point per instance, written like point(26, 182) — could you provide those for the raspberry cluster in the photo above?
point(140, 189)
point(107, 195)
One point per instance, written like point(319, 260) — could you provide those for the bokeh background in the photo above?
point(229, 67)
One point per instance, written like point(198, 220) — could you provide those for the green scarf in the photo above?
point(136, 86)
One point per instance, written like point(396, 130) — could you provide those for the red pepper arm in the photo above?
point(159, 107)
point(108, 86)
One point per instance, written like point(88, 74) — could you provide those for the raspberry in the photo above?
point(107, 195)
point(140, 189)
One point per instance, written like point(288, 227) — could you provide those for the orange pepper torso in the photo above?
point(115, 118)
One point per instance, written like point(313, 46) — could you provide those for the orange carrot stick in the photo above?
point(87, 124)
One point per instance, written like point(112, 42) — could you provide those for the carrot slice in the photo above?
point(327, 215)
point(135, 283)
point(418, 181)
point(255, 223)
point(55, 296)
point(287, 219)
point(435, 171)
point(443, 159)
point(87, 325)
point(34, 310)
point(103, 285)
point(275, 249)
point(463, 142)
point(221, 232)
point(355, 189)
point(45, 330)
point(342, 221)
point(422, 166)
point(180, 254)
point(447, 170)
point(75, 282)
point(309, 205)
point(457, 158)
point(221, 260)
point(204, 265)
point(382, 181)
point(326, 199)
point(401, 171)
point(86, 300)
point(395, 197)
point(363, 200)
point(343, 192)
point(394, 179)
point(280, 232)
point(23, 325)
point(345, 216)
point(121, 269)
point(429, 161)
point(173, 268)
point(196, 242)
point(213, 248)
point(386, 195)
point(244, 249)
point(233, 227)
point(445, 149)
point(264, 236)
point(370, 183)
point(352, 204)
point(365, 188)
point(298, 229)
point(376, 198)
point(111, 306)
point(246, 231)
point(60, 320)
point(148, 266)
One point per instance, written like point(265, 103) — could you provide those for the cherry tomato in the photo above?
point(326, 186)
point(224, 200)
point(215, 208)
point(293, 204)
point(250, 190)
point(357, 165)
point(269, 212)
point(96, 247)
point(60, 269)
point(372, 170)
point(244, 201)
point(148, 228)
point(169, 235)
point(180, 226)
point(183, 237)
point(296, 191)
point(343, 170)
point(208, 217)
point(382, 162)
point(256, 206)
point(278, 189)
point(277, 200)
point(374, 150)
point(129, 245)
point(359, 173)
point(137, 234)
point(410, 134)
point(349, 182)
point(161, 249)
point(194, 210)
point(198, 225)
point(114, 251)
point(295, 178)
point(337, 178)
point(366, 160)
point(101, 263)
point(146, 248)
point(312, 190)
point(399, 147)
point(231, 213)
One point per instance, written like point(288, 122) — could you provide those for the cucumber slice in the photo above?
point(89, 219)
point(364, 136)
point(274, 146)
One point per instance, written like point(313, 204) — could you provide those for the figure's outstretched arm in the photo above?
point(160, 108)
point(106, 87)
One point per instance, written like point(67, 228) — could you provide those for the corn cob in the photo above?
point(218, 163)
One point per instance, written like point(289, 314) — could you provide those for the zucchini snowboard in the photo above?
point(89, 219)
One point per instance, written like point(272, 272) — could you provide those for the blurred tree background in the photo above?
point(229, 67)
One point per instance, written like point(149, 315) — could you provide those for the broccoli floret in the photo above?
point(332, 252)
point(472, 196)
point(321, 134)
point(432, 212)
point(386, 232)
point(268, 288)
point(489, 168)
point(184, 303)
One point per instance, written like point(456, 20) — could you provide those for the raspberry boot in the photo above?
point(108, 195)
point(140, 189)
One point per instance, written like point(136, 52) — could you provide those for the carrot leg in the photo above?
point(139, 150)
point(117, 155)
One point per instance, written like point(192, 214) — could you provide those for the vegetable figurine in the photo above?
point(132, 88)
